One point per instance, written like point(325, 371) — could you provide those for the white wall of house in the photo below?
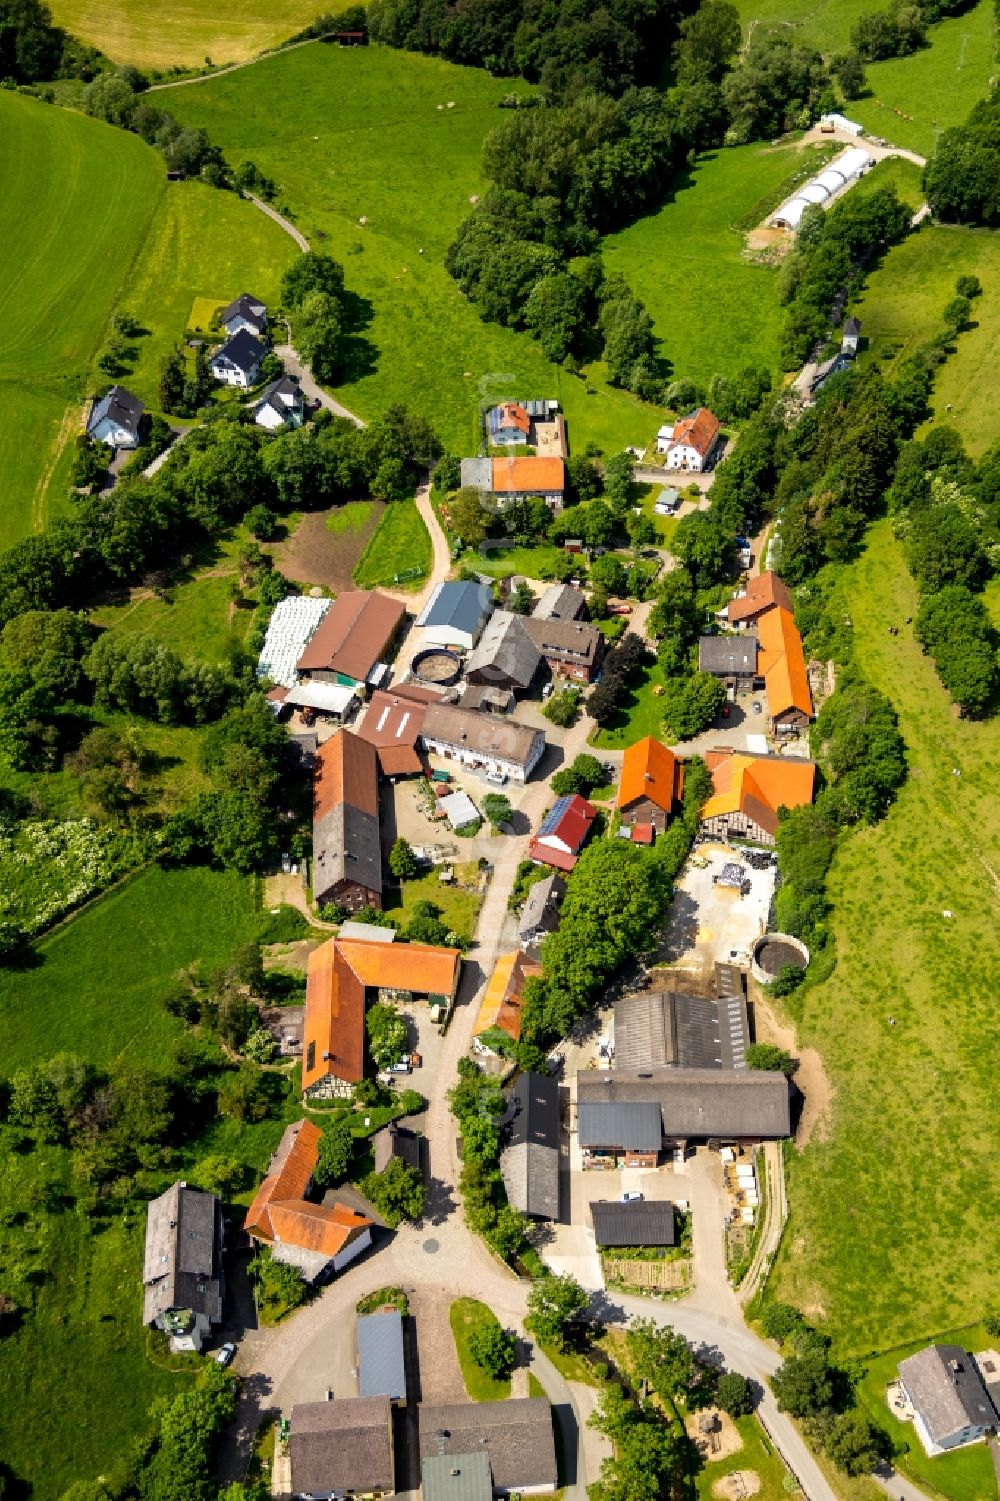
point(485, 762)
point(352, 1250)
point(232, 375)
point(109, 432)
point(271, 418)
point(683, 456)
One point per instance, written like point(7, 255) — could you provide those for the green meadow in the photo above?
point(892, 1204)
point(395, 139)
point(901, 307)
point(400, 544)
point(825, 24)
point(78, 198)
point(185, 34)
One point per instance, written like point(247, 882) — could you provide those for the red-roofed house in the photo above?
point(748, 791)
point(651, 786)
point(693, 442)
point(563, 832)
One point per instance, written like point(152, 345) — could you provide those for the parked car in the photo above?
point(402, 1067)
point(632, 1198)
point(498, 778)
point(756, 707)
point(225, 1353)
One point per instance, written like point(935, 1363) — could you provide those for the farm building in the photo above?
point(381, 1362)
point(357, 633)
point(499, 748)
point(644, 1222)
point(749, 790)
point(731, 659)
point(342, 1448)
point(529, 1159)
point(392, 724)
point(292, 624)
point(850, 337)
point(571, 648)
point(764, 592)
point(456, 1477)
point(342, 973)
point(347, 854)
point(182, 1265)
point(840, 122)
point(538, 477)
point(950, 1403)
point(237, 362)
point(845, 170)
point(455, 614)
point(661, 1029)
point(540, 913)
point(116, 419)
point(395, 1141)
point(651, 786)
point(694, 1104)
point(246, 313)
point(692, 442)
point(281, 405)
point(503, 997)
point(313, 1237)
point(782, 665)
point(516, 1434)
point(627, 1132)
point(459, 809)
point(505, 655)
point(332, 700)
point(559, 602)
point(563, 832)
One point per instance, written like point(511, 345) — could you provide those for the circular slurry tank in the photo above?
point(773, 952)
point(437, 665)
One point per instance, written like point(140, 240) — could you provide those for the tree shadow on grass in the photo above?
point(360, 356)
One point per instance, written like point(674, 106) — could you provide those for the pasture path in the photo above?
point(281, 221)
point(183, 83)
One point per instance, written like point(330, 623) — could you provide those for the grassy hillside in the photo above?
point(78, 197)
point(713, 310)
point(368, 134)
point(187, 32)
point(825, 24)
point(901, 307)
point(889, 1238)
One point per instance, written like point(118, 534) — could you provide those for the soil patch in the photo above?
point(723, 1438)
point(811, 1077)
point(315, 555)
point(737, 1485)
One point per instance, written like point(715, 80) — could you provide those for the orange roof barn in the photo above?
point(528, 476)
point(650, 770)
point(757, 786)
point(782, 664)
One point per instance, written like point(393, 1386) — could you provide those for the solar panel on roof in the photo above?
point(554, 817)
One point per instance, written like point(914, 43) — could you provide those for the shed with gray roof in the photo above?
point(540, 913)
point(607, 1127)
point(456, 1477)
point(644, 1222)
point(529, 1162)
point(658, 1029)
point(342, 1448)
point(698, 1104)
point(559, 602)
point(381, 1362)
point(505, 655)
point(456, 613)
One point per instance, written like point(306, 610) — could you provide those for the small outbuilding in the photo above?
point(643, 1222)
point(381, 1355)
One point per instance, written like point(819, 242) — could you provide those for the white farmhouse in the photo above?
point(238, 361)
point(115, 419)
point(693, 442)
point(281, 405)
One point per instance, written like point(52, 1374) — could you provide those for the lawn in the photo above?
point(896, 172)
point(890, 1237)
point(713, 310)
point(78, 197)
point(901, 308)
point(459, 907)
point(530, 562)
point(399, 552)
point(910, 100)
point(97, 988)
point(193, 621)
point(352, 516)
point(965, 1474)
point(826, 24)
point(367, 133)
point(642, 716)
point(187, 34)
point(467, 1315)
point(757, 1455)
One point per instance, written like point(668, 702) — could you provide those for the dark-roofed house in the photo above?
point(116, 419)
point(381, 1362)
point(644, 1222)
point(482, 742)
point(657, 1029)
point(182, 1266)
point(516, 1434)
point(355, 634)
point(850, 337)
point(505, 655)
point(342, 1448)
point(626, 1132)
point(237, 362)
point(529, 1161)
point(540, 913)
point(696, 1104)
point(731, 659)
point(572, 648)
point(282, 404)
point(456, 613)
point(396, 1141)
point(246, 312)
point(559, 602)
point(563, 832)
point(950, 1403)
point(456, 1477)
point(347, 854)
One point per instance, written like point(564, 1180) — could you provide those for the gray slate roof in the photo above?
point(462, 605)
point(540, 912)
point(573, 641)
point(944, 1385)
point(654, 1029)
point(483, 734)
point(286, 386)
point(182, 1265)
point(342, 1446)
point(559, 602)
point(346, 847)
point(517, 1435)
point(245, 306)
point(121, 407)
point(634, 1125)
point(243, 351)
point(381, 1365)
point(698, 1103)
point(456, 1477)
point(647, 1222)
point(735, 655)
point(505, 652)
point(529, 1163)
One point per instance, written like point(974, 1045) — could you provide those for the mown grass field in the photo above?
point(187, 32)
point(898, 173)
point(910, 99)
point(642, 715)
point(367, 133)
point(890, 1232)
point(459, 907)
point(901, 308)
point(712, 309)
point(78, 198)
point(97, 986)
point(825, 24)
point(400, 544)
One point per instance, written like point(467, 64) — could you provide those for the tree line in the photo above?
point(962, 178)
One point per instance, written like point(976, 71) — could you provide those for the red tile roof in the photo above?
point(288, 1174)
point(521, 476)
point(699, 431)
point(650, 769)
point(392, 724)
point(353, 634)
point(782, 663)
point(762, 592)
point(345, 772)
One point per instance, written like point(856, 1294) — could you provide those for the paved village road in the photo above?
point(314, 392)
